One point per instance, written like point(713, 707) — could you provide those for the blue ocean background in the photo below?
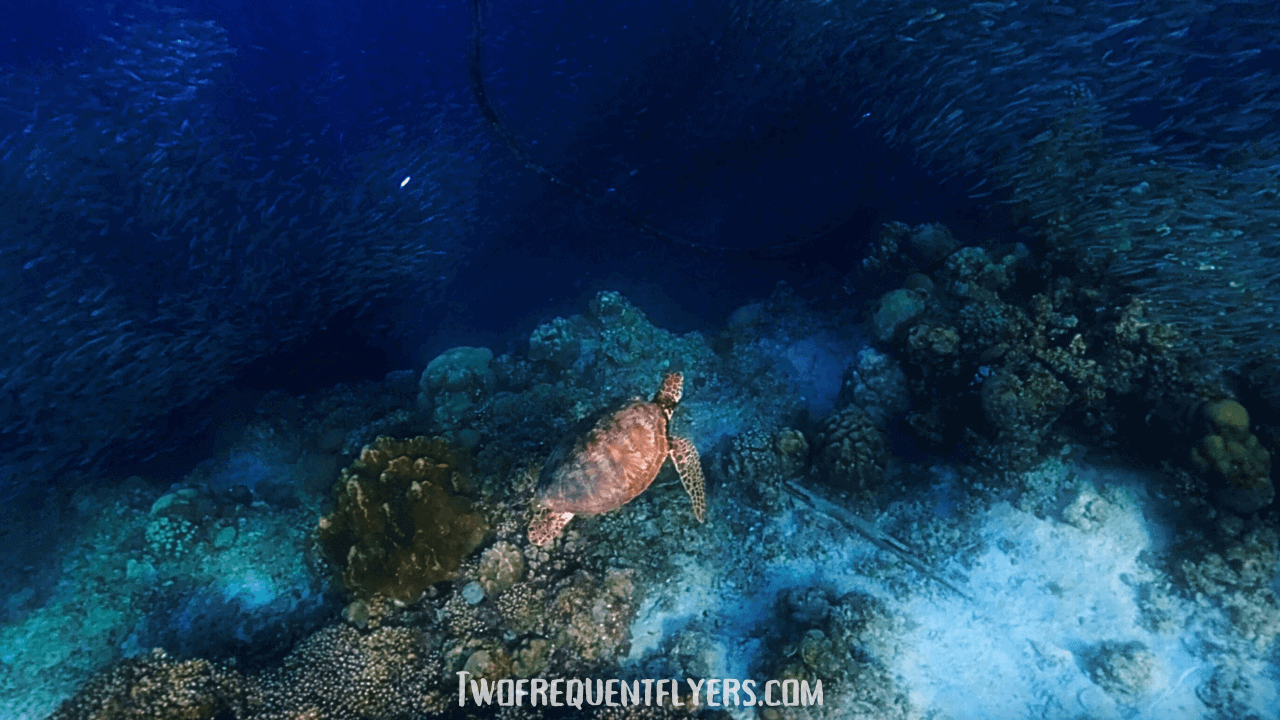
point(311, 113)
point(219, 216)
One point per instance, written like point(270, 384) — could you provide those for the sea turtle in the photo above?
point(610, 458)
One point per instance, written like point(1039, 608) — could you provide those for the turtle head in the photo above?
point(670, 391)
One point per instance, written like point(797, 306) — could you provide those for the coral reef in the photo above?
point(1232, 459)
point(613, 330)
point(521, 608)
point(902, 249)
point(895, 311)
point(850, 451)
point(158, 687)
point(436, 591)
point(614, 337)
point(1123, 670)
point(843, 643)
point(593, 617)
point(555, 342)
point(565, 623)
point(400, 524)
point(1021, 408)
point(875, 384)
point(453, 382)
point(759, 463)
point(1025, 348)
point(849, 445)
point(341, 672)
point(1235, 567)
point(1183, 223)
point(501, 566)
point(240, 585)
point(149, 255)
point(577, 607)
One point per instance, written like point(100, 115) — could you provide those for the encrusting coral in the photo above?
point(400, 524)
point(592, 616)
point(842, 643)
point(341, 673)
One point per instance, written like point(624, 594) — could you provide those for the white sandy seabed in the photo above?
point(1043, 595)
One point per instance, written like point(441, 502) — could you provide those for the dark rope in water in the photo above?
point(476, 72)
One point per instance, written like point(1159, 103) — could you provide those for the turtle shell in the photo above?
point(609, 458)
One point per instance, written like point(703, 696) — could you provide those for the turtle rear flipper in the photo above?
point(685, 457)
point(546, 525)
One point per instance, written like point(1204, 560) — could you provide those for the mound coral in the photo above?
point(501, 566)
point(400, 524)
point(453, 381)
point(1231, 458)
point(851, 451)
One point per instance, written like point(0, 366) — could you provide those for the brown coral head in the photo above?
point(1229, 451)
point(671, 390)
point(398, 527)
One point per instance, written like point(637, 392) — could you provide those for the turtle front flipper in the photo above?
point(546, 526)
point(685, 457)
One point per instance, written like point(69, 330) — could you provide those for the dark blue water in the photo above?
point(204, 202)
point(653, 185)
